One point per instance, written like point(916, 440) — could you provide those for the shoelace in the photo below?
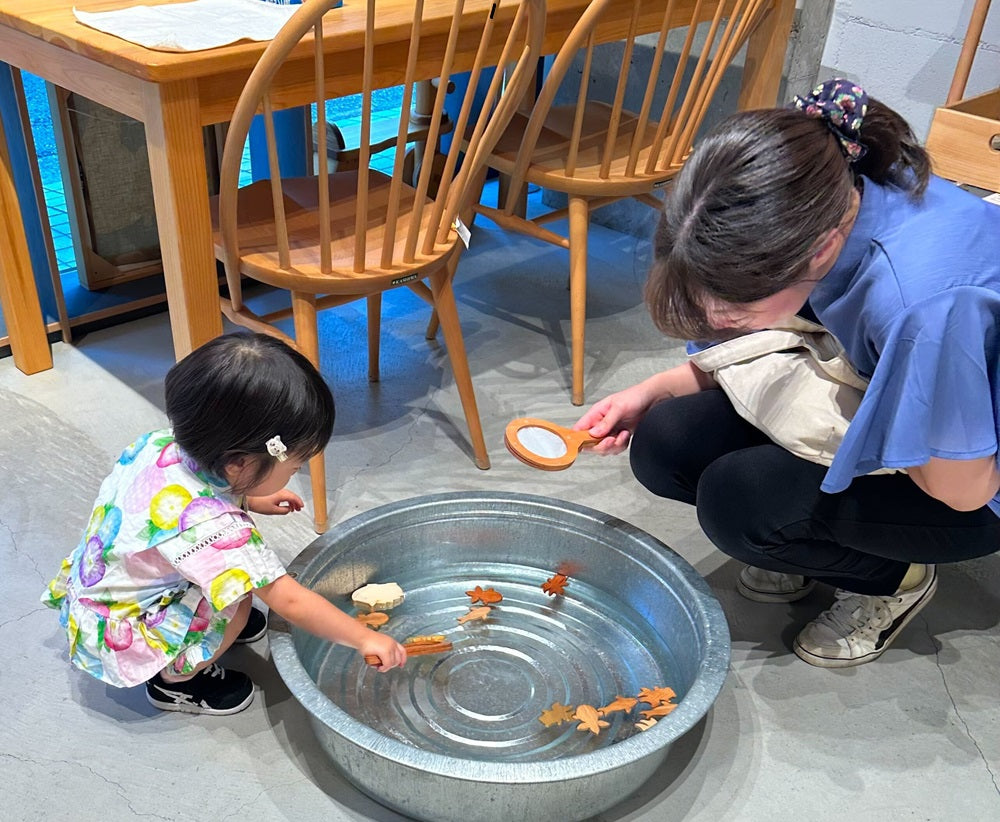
point(857, 614)
point(215, 671)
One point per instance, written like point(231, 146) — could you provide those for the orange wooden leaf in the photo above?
point(374, 619)
point(555, 584)
point(481, 612)
point(654, 696)
point(620, 703)
point(589, 719)
point(556, 715)
point(487, 597)
point(645, 724)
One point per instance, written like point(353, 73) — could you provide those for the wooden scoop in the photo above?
point(417, 647)
point(543, 444)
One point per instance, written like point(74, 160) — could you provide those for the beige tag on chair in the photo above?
point(463, 232)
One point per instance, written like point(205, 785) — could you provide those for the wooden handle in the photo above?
point(578, 439)
point(418, 649)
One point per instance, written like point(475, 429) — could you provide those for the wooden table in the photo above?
point(174, 95)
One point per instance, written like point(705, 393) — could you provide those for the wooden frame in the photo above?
point(964, 137)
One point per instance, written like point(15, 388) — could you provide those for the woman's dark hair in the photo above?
point(226, 399)
point(743, 215)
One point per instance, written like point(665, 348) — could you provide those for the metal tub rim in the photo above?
point(695, 703)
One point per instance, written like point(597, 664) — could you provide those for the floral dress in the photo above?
point(160, 569)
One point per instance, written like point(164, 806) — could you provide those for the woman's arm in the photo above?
point(615, 417)
point(965, 485)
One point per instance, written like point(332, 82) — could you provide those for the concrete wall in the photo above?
point(904, 51)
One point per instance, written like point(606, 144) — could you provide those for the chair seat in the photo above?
point(548, 161)
point(257, 235)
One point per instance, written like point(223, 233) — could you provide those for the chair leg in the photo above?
point(445, 308)
point(433, 324)
point(468, 216)
point(579, 216)
point(476, 184)
point(374, 331)
point(307, 339)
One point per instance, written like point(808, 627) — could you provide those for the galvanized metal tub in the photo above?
point(456, 737)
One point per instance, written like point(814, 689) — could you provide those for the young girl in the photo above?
point(828, 209)
point(159, 586)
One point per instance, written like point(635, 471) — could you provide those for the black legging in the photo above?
point(762, 505)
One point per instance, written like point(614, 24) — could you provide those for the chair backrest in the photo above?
point(509, 34)
point(655, 140)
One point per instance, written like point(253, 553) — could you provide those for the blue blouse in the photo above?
point(914, 297)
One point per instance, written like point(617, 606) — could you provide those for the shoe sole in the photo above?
point(839, 662)
point(248, 639)
point(769, 596)
point(181, 707)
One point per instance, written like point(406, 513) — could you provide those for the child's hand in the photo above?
point(282, 502)
point(385, 648)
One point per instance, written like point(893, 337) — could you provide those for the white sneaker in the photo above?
point(772, 586)
point(858, 627)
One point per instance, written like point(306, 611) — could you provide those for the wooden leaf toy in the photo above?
point(589, 719)
point(645, 724)
point(556, 715)
point(654, 696)
point(378, 596)
point(660, 710)
point(620, 703)
point(487, 597)
point(481, 612)
point(373, 619)
point(555, 584)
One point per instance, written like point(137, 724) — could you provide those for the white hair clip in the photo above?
point(276, 448)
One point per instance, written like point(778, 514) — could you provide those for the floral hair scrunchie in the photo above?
point(841, 105)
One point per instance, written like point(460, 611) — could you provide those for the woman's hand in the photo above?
point(614, 418)
point(391, 653)
point(282, 502)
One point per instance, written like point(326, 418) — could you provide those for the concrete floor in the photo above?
point(915, 735)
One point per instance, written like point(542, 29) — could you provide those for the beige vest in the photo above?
point(793, 383)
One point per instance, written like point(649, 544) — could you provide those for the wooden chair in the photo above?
point(337, 237)
point(595, 151)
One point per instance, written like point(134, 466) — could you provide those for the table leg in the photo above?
point(180, 194)
point(765, 57)
point(22, 311)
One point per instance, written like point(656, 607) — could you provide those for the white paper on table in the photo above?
point(200, 24)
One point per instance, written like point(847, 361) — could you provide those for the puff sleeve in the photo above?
point(221, 552)
point(933, 392)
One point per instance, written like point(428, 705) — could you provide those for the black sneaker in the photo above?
point(255, 628)
point(213, 690)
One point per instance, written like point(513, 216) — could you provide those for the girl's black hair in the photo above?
point(742, 217)
point(226, 399)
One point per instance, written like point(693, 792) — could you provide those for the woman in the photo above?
point(828, 210)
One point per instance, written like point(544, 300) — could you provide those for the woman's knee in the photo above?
point(745, 498)
point(660, 454)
